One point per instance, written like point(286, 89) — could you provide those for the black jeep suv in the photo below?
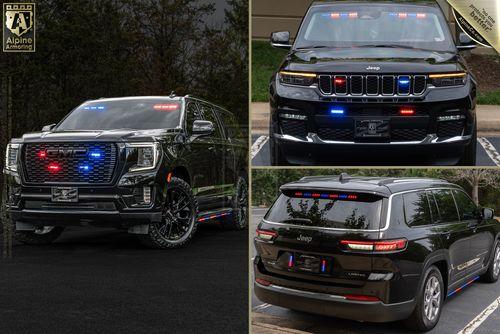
point(376, 81)
point(157, 166)
point(373, 249)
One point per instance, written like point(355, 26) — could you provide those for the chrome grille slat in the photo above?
point(372, 85)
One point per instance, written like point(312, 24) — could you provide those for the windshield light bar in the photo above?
point(447, 75)
point(325, 195)
point(166, 106)
point(299, 74)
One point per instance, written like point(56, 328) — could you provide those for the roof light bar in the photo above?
point(166, 106)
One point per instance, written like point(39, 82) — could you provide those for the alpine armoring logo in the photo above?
point(18, 27)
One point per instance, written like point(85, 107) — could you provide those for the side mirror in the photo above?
point(466, 43)
point(487, 213)
point(203, 128)
point(281, 39)
point(49, 127)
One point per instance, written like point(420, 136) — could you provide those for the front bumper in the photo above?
point(332, 305)
point(313, 150)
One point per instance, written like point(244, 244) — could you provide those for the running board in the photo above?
point(211, 215)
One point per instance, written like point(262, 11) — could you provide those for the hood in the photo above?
point(124, 135)
point(381, 60)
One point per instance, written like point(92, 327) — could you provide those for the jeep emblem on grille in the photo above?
point(373, 68)
point(66, 153)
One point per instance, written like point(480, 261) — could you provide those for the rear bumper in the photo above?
point(333, 305)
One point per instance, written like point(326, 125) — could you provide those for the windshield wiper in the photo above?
point(394, 46)
point(314, 47)
point(301, 221)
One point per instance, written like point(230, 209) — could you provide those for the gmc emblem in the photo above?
point(66, 153)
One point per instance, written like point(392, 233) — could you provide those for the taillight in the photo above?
point(362, 298)
point(266, 235)
point(374, 246)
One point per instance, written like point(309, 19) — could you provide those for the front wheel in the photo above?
point(178, 224)
point(493, 272)
point(43, 235)
point(239, 215)
point(430, 300)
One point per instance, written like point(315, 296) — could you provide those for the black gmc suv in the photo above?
point(373, 249)
point(373, 81)
point(157, 166)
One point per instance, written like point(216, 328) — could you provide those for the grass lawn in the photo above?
point(489, 98)
point(265, 60)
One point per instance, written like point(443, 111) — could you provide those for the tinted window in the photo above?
point(446, 205)
point(229, 123)
point(208, 114)
point(397, 210)
point(345, 26)
point(466, 207)
point(363, 213)
point(417, 210)
point(192, 114)
point(137, 114)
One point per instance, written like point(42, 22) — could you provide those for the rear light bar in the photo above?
point(375, 246)
point(266, 235)
point(325, 195)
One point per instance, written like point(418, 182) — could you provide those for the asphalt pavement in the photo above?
point(486, 153)
point(459, 313)
point(104, 281)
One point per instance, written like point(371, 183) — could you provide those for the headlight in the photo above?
point(448, 79)
point(297, 78)
point(11, 156)
point(146, 155)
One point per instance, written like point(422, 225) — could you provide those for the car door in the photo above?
point(455, 234)
point(201, 155)
point(481, 240)
point(230, 172)
point(217, 182)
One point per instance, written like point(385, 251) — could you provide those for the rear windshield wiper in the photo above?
point(300, 221)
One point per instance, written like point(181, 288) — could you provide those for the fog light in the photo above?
point(146, 195)
point(451, 118)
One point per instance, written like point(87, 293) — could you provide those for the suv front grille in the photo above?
point(71, 168)
point(372, 85)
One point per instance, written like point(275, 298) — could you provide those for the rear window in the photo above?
point(135, 114)
point(332, 210)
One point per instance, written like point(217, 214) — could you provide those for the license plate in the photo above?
point(307, 263)
point(372, 128)
point(61, 194)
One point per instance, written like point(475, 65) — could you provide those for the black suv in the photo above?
point(156, 166)
point(376, 81)
point(373, 249)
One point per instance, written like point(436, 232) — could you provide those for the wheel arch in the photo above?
point(441, 260)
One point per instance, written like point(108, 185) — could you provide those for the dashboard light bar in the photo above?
point(447, 75)
point(94, 108)
point(166, 107)
point(266, 235)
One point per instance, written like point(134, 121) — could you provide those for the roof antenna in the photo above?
point(343, 177)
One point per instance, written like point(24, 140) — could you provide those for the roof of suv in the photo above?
point(384, 186)
point(393, 2)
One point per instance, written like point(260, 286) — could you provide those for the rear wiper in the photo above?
point(302, 221)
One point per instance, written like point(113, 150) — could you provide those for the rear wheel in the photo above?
point(493, 272)
point(40, 236)
point(429, 302)
point(178, 223)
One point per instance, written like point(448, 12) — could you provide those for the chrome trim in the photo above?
point(329, 77)
point(378, 84)
point(281, 45)
point(425, 84)
point(315, 139)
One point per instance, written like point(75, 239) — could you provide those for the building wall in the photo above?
point(286, 15)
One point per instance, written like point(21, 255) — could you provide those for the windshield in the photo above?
point(345, 26)
point(135, 114)
point(333, 210)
